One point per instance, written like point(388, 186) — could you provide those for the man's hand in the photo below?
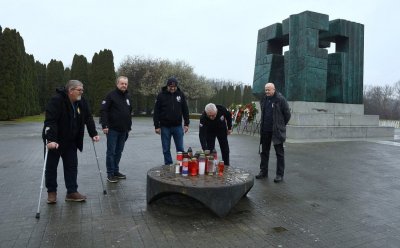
point(105, 130)
point(158, 130)
point(229, 131)
point(52, 145)
point(185, 129)
point(96, 138)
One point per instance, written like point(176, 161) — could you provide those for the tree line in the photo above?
point(383, 101)
point(147, 76)
point(27, 85)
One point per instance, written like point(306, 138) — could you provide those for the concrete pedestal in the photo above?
point(320, 120)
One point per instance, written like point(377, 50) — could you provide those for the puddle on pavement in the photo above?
point(279, 229)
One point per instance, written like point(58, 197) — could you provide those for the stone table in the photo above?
point(218, 193)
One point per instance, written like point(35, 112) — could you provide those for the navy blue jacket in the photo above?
point(170, 108)
point(280, 117)
point(115, 112)
point(59, 121)
point(220, 125)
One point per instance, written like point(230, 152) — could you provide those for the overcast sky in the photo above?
point(217, 37)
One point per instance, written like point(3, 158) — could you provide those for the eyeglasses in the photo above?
point(80, 90)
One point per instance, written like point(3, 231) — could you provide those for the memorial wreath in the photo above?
point(246, 113)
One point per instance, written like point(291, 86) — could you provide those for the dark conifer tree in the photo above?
point(54, 78)
point(41, 84)
point(248, 95)
point(67, 74)
point(79, 69)
point(229, 99)
point(10, 73)
point(238, 95)
point(102, 78)
point(30, 88)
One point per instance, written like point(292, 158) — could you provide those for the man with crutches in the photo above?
point(67, 113)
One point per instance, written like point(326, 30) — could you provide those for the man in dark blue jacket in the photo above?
point(116, 121)
point(67, 113)
point(216, 122)
point(275, 114)
point(169, 109)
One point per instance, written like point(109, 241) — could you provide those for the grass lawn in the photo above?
point(33, 118)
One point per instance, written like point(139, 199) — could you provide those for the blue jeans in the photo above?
point(166, 133)
point(115, 146)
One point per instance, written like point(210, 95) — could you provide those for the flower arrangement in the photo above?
point(246, 113)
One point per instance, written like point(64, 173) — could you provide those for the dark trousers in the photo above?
point(266, 140)
point(115, 146)
point(68, 154)
point(223, 144)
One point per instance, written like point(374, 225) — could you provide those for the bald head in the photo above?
point(269, 89)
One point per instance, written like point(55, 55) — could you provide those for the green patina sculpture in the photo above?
point(306, 72)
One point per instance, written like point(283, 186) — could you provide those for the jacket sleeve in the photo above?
point(185, 111)
point(52, 115)
point(104, 111)
point(90, 125)
point(203, 132)
point(286, 111)
point(156, 114)
point(228, 117)
point(261, 119)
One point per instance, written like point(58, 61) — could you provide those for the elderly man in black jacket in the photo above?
point(215, 122)
point(116, 121)
point(67, 113)
point(275, 114)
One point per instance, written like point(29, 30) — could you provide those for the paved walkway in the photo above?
point(337, 194)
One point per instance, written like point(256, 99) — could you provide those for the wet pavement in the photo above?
point(334, 194)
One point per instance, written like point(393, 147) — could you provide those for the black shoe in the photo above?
point(112, 179)
point(278, 179)
point(261, 175)
point(119, 175)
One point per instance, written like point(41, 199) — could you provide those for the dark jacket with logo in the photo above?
point(115, 112)
point(220, 125)
point(60, 124)
point(280, 117)
point(170, 108)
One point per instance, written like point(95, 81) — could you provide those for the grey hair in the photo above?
point(71, 84)
point(121, 77)
point(210, 108)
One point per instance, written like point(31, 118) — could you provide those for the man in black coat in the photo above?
point(169, 110)
point(116, 121)
point(67, 113)
point(215, 123)
point(275, 114)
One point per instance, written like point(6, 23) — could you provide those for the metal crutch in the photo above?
point(41, 184)
point(98, 166)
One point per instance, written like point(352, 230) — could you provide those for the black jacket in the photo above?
point(170, 108)
point(280, 115)
point(115, 112)
point(59, 120)
point(220, 125)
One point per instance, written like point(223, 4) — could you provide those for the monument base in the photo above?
point(314, 121)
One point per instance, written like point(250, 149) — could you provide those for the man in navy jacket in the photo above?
point(275, 115)
point(116, 121)
point(215, 122)
point(169, 110)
